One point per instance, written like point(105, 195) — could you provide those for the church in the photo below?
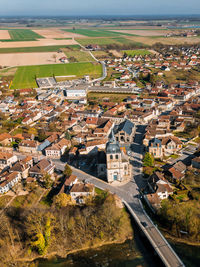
point(118, 166)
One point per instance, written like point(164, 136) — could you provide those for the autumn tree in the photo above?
point(47, 180)
point(62, 200)
point(33, 131)
point(67, 171)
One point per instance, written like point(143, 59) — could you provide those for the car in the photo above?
point(144, 224)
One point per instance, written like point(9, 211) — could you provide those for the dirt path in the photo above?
point(37, 202)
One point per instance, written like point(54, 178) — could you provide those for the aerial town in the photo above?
point(132, 128)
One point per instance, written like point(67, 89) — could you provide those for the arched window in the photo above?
point(111, 156)
point(116, 156)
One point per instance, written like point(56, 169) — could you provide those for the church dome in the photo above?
point(112, 148)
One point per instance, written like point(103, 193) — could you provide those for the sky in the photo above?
point(98, 7)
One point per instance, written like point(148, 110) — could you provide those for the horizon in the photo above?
point(104, 8)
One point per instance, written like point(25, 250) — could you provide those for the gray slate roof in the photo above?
point(126, 126)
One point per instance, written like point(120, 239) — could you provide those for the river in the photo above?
point(132, 253)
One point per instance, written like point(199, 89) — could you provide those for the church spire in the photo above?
point(112, 137)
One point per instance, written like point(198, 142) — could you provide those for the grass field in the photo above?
point(78, 56)
point(25, 75)
point(141, 52)
point(22, 35)
point(54, 48)
point(96, 32)
point(108, 41)
point(97, 97)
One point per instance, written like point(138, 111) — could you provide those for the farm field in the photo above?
point(141, 52)
point(78, 56)
point(22, 35)
point(107, 41)
point(147, 40)
point(53, 33)
point(54, 48)
point(100, 54)
point(143, 32)
point(96, 32)
point(25, 76)
point(22, 59)
point(39, 42)
point(4, 34)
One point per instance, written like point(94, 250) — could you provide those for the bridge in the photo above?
point(129, 194)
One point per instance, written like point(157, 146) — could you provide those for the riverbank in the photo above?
point(63, 256)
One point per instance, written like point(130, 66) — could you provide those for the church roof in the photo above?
point(126, 126)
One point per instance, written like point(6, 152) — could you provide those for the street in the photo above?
point(129, 194)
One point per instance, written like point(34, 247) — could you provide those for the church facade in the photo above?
point(117, 163)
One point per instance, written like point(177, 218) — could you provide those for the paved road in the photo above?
point(129, 193)
point(104, 70)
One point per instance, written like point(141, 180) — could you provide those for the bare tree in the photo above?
point(54, 56)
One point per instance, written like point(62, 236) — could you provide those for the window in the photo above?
point(116, 157)
point(111, 156)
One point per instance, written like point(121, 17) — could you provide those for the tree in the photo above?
point(41, 135)
point(47, 180)
point(67, 171)
point(54, 56)
point(62, 200)
point(33, 131)
point(68, 135)
point(148, 160)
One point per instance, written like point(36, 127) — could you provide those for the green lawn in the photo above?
point(25, 75)
point(53, 48)
point(96, 32)
point(22, 35)
point(141, 52)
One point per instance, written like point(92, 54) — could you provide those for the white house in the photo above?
point(9, 182)
point(7, 159)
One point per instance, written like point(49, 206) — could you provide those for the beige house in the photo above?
point(28, 146)
point(79, 191)
point(58, 149)
point(5, 139)
point(164, 147)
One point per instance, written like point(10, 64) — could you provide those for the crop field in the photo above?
point(97, 32)
point(143, 32)
point(54, 48)
point(107, 41)
point(24, 59)
point(22, 35)
point(4, 34)
point(25, 76)
point(141, 52)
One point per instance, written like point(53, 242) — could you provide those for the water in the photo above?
point(190, 255)
point(133, 253)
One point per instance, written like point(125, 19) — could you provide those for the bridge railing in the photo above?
point(163, 258)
